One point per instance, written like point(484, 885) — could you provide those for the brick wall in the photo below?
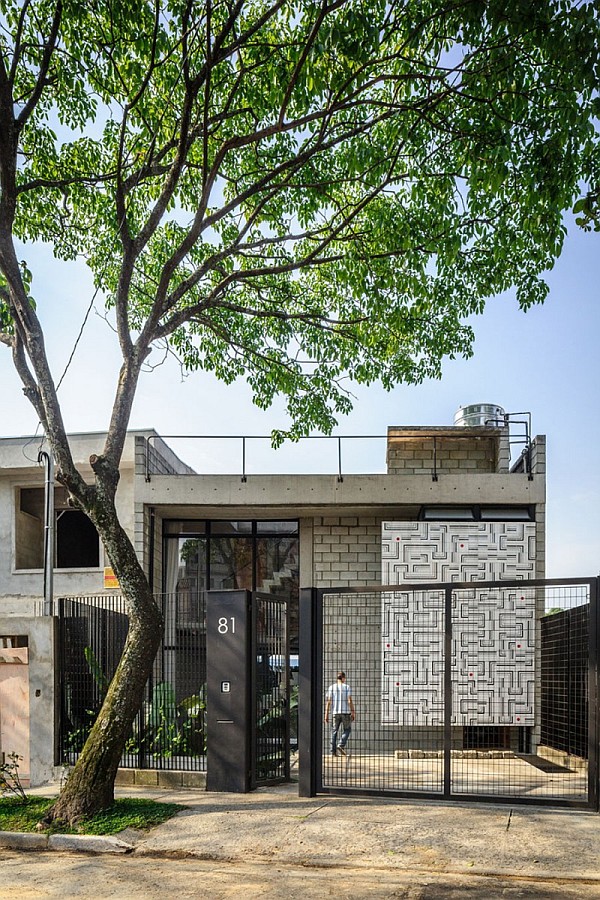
point(452, 456)
point(346, 551)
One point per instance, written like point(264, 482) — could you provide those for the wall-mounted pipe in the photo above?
point(47, 460)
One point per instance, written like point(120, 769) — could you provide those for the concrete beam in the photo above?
point(314, 493)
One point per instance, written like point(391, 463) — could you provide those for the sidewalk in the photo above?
point(274, 825)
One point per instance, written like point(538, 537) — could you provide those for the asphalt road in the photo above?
point(34, 875)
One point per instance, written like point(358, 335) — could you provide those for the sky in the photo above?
point(545, 362)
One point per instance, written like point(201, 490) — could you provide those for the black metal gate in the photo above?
point(248, 713)
point(270, 680)
point(480, 690)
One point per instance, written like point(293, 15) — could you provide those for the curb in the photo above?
point(81, 843)
point(22, 840)
point(97, 844)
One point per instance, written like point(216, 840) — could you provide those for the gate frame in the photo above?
point(310, 710)
point(255, 781)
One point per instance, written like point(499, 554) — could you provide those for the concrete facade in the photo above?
point(21, 585)
point(340, 521)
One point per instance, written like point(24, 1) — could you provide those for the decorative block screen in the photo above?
point(457, 551)
point(493, 632)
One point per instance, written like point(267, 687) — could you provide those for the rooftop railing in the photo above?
point(246, 455)
point(339, 455)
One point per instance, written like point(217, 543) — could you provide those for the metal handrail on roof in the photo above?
point(255, 437)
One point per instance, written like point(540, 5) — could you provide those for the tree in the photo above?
point(301, 192)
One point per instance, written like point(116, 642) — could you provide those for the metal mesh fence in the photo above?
point(478, 691)
point(169, 730)
point(564, 672)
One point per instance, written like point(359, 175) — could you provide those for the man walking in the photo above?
point(341, 706)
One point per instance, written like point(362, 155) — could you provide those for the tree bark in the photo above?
point(90, 786)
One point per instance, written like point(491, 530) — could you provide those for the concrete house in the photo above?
point(458, 503)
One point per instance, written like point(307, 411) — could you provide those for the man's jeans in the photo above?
point(340, 720)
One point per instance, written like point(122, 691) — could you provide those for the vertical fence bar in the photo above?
point(287, 699)
point(58, 684)
point(447, 692)
point(594, 698)
point(309, 707)
point(166, 733)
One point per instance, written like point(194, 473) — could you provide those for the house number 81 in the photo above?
point(226, 624)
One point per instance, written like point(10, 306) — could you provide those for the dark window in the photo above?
point(477, 514)
point(486, 737)
point(77, 544)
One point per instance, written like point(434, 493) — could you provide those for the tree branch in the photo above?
point(40, 83)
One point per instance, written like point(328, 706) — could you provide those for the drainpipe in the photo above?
point(151, 554)
point(46, 458)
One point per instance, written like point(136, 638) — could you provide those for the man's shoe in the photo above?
point(342, 751)
point(334, 753)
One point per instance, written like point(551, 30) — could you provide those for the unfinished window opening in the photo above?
point(10, 641)
point(77, 545)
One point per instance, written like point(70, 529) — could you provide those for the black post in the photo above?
point(593, 724)
point(309, 692)
point(228, 630)
point(447, 692)
point(59, 700)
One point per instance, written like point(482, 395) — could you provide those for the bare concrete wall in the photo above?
point(40, 636)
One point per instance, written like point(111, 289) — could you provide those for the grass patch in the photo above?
point(126, 812)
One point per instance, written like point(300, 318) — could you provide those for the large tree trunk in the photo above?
point(90, 785)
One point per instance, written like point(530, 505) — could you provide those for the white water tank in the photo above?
point(480, 414)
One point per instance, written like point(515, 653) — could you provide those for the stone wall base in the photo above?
point(161, 778)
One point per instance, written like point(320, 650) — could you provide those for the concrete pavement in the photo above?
point(275, 826)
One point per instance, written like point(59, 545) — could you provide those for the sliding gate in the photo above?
point(482, 691)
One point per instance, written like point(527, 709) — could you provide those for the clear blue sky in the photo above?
point(546, 361)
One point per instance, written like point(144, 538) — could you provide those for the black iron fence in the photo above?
point(479, 691)
point(564, 671)
point(169, 731)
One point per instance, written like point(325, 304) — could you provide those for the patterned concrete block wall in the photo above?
point(493, 670)
point(494, 633)
point(457, 551)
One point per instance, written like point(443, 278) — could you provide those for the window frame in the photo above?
point(60, 506)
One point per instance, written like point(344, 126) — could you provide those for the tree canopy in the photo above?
point(304, 193)
point(296, 191)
